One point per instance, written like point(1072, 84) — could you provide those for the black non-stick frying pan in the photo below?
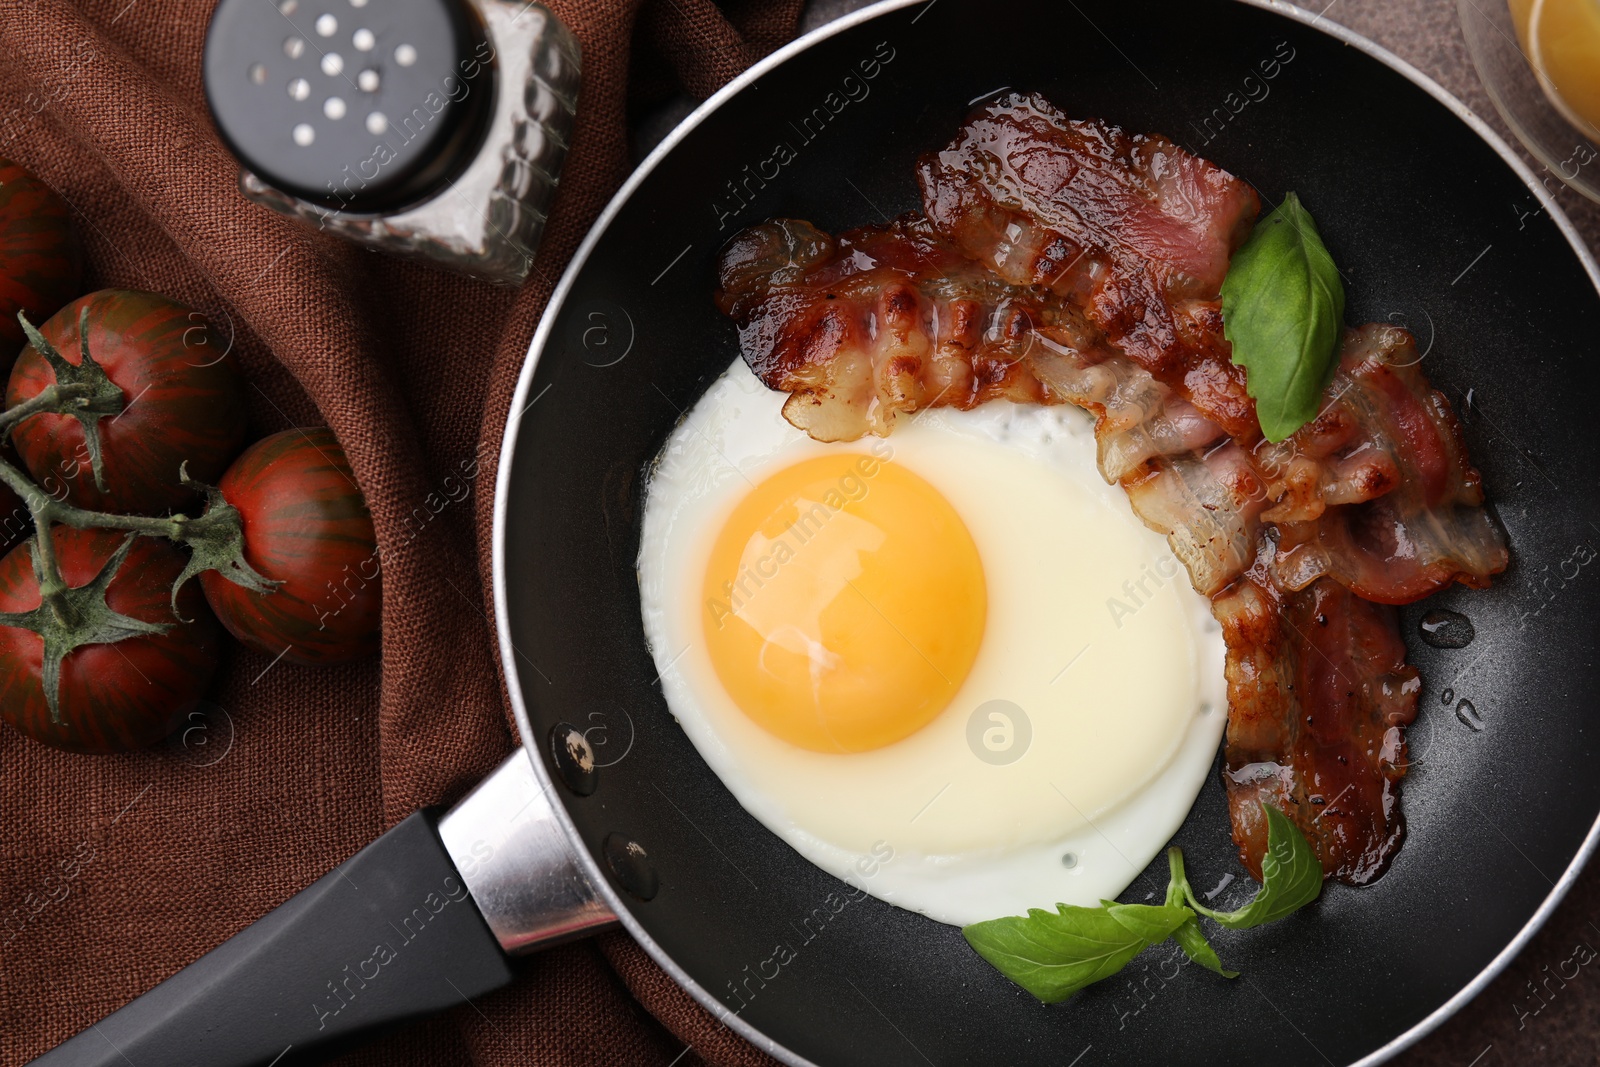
point(1436, 225)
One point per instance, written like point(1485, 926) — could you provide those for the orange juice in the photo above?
point(1561, 39)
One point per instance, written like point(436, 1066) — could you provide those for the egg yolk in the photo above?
point(844, 603)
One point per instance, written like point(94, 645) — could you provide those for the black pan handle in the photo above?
point(418, 921)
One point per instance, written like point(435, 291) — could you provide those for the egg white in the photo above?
point(1093, 632)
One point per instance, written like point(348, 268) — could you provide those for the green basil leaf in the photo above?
point(1189, 936)
point(1054, 954)
point(1194, 944)
point(1153, 922)
point(1291, 877)
point(1283, 310)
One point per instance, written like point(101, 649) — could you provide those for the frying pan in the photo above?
point(615, 818)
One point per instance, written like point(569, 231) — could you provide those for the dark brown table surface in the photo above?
point(1510, 1022)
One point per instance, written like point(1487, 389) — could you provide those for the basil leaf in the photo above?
point(1283, 310)
point(1189, 936)
point(1291, 877)
point(1153, 922)
point(1053, 955)
point(1194, 944)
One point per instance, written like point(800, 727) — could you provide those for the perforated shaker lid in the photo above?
point(361, 105)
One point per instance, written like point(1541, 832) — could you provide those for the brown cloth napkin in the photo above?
point(117, 871)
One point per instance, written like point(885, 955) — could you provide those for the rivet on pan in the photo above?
point(333, 107)
point(304, 134)
point(574, 759)
point(332, 64)
point(293, 47)
point(405, 55)
point(363, 39)
point(367, 81)
point(299, 89)
point(258, 73)
point(630, 866)
point(327, 25)
point(376, 123)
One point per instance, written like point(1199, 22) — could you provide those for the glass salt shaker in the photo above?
point(433, 128)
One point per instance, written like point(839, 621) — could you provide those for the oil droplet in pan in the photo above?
point(1446, 629)
point(1468, 714)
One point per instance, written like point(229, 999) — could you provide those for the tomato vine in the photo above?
point(69, 617)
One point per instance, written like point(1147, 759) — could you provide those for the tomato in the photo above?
point(15, 522)
point(41, 264)
point(306, 525)
point(113, 697)
point(183, 396)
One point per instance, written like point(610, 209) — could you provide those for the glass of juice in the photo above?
point(1540, 62)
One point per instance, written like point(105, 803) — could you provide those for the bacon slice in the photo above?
point(1184, 476)
point(1070, 262)
point(881, 321)
point(1378, 491)
point(1131, 227)
point(1318, 695)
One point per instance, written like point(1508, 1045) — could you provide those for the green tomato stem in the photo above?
point(47, 571)
point(47, 510)
point(47, 399)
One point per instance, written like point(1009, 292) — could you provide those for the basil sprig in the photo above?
point(1189, 936)
point(1054, 954)
point(1283, 310)
point(1291, 877)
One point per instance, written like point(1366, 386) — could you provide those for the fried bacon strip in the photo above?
point(880, 321)
point(1378, 491)
point(1070, 262)
point(1318, 695)
point(1130, 227)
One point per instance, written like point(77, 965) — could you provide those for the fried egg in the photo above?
point(949, 666)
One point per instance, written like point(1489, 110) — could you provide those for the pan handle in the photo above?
point(418, 921)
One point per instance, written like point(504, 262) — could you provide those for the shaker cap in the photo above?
point(359, 105)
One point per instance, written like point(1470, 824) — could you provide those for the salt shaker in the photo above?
point(434, 128)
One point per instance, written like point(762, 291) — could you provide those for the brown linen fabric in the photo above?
point(117, 871)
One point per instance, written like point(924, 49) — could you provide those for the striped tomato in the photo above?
point(41, 266)
point(113, 697)
point(15, 522)
point(307, 526)
point(183, 396)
